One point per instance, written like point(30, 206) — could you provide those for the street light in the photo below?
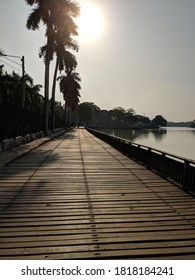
point(23, 73)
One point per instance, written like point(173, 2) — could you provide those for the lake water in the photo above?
point(177, 141)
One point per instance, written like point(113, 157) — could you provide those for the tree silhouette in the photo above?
point(70, 87)
point(56, 16)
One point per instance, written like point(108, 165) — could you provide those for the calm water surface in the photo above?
point(177, 141)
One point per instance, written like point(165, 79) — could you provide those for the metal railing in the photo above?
point(177, 169)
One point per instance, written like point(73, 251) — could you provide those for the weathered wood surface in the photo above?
point(76, 197)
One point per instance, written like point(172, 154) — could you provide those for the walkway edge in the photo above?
point(9, 156)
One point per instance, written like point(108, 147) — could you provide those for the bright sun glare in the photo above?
point(90, 22)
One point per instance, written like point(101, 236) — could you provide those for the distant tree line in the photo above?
point(182, 124)
point(91, 115)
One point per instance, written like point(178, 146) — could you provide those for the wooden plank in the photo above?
point(68, 229)
point(100, 237)
point(90, 251)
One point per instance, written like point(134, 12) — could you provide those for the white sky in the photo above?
point(143, 59)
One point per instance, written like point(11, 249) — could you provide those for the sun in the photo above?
point(90, 22)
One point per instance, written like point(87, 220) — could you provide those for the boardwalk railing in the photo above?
point(175, 168)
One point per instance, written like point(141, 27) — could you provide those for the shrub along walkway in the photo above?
point(76, 197)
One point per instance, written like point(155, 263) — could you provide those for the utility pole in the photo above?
point(23, 83)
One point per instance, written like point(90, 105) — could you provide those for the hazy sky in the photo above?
point(144, 57)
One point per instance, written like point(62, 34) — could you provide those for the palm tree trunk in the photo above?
point(53, 96)
point(73, 117)
point(70, 117)
point(46, 92)
point(66, 115)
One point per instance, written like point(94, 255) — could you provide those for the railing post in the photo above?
point(186, 172)
point(162, 163)
point(148, 159)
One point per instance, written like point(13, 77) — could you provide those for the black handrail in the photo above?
point(177, 169)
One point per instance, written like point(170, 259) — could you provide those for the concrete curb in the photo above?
point(9, 156)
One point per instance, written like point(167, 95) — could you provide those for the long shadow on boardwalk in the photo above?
point(15, 177)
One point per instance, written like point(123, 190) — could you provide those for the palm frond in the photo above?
point(42, 51)
point(74, 8)
point(72, 44)
point(37, 88)
point(30, 2)
point(34, 19)
point(29, 80)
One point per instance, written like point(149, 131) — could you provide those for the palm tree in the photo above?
point(43, 12)
point(72, 103)
point(50, 13)
point(63, 40)
point(69, 59)
point(70, 87)
point(64, 59)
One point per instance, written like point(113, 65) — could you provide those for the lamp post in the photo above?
point(23, 78)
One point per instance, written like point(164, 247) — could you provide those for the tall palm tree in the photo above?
point(70, 87)
point(50, 13)
point(42, 12)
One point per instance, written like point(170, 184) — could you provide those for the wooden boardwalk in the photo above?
point(76, 197)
